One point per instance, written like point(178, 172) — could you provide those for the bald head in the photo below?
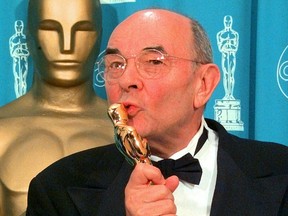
point(184, 33)
point(157, 16)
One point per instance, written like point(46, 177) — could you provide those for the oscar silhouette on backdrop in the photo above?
point(228, 41)
point(228, 109)
point(20, 53)
point(60, 114)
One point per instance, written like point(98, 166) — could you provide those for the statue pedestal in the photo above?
point(228, 113)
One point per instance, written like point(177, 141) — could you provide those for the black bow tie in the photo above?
point(187, 168)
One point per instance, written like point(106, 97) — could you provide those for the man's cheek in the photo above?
point(112, 97)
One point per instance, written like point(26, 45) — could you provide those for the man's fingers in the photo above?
point(144, 174)
point(160, 207)
point(148, 193)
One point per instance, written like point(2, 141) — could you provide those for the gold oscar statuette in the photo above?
point(128, 141)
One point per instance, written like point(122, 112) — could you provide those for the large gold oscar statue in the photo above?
point(60, 114)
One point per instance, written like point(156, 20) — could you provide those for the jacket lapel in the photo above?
point(102, 196)
point(86, 200)
point(113, 201)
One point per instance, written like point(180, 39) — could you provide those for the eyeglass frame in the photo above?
point(164, 55)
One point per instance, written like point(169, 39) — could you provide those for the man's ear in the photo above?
point(208, 76)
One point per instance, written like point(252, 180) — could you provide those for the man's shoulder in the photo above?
point(104, 154)
point(79, 166)
point(231, 139)
point(252, 155)
point(259, 158)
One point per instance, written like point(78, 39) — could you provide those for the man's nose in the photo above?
point(131, 79)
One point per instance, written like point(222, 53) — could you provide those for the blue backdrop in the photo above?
point(259, 57)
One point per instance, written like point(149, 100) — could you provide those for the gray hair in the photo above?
point(202, 45)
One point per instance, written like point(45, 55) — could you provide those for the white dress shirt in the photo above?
point(193, 199)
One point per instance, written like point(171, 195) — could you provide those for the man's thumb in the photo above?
point(172, 183)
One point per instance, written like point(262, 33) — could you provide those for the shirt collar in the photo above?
point(190, 148)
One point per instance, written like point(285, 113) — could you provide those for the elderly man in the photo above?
point(158, 65)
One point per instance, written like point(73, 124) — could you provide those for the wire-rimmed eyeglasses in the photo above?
point(150, 64)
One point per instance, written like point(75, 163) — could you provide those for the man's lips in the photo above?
point(131, 109)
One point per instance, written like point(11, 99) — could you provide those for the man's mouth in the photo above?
point(131, 109)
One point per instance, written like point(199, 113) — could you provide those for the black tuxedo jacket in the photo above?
point(252, 180)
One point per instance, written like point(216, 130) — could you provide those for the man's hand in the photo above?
point(148, 193)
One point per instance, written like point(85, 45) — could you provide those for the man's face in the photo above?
point(64, 34)
point(155, 106)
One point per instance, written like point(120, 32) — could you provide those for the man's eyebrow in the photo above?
point(112, 51)
point(117, 51)
point(159, 48)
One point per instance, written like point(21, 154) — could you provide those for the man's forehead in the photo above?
point(171, 31)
